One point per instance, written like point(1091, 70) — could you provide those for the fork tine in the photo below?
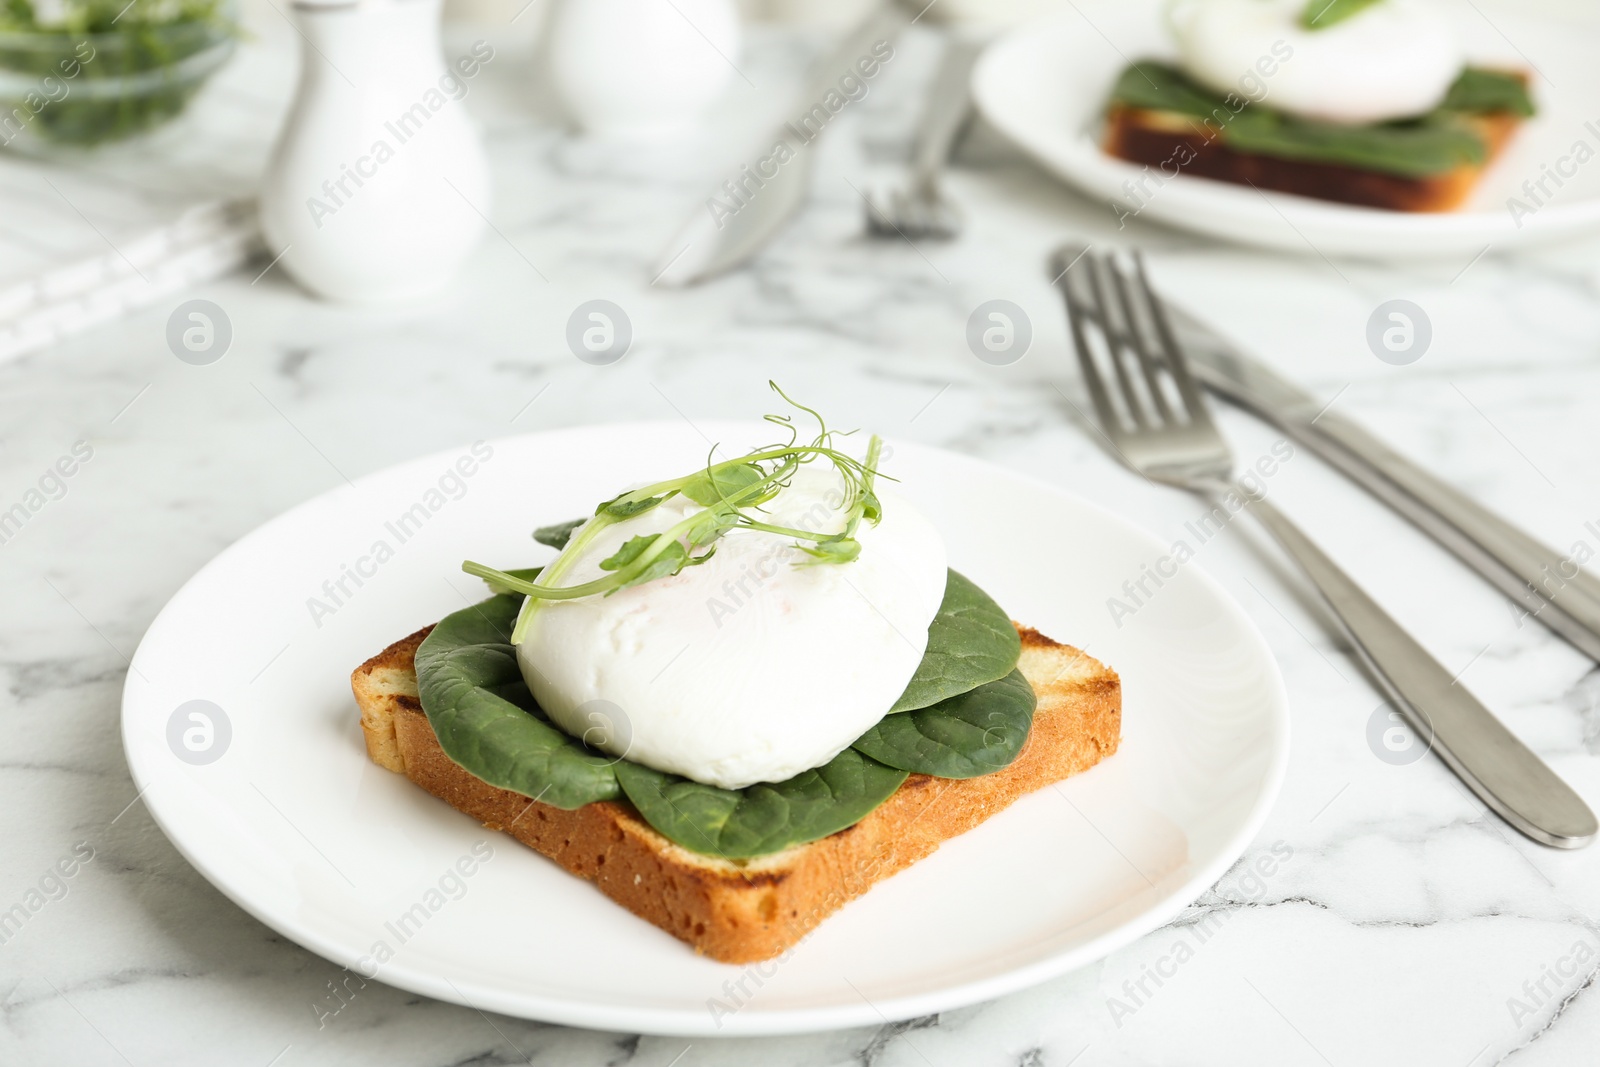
point(907, 217)
point(1116, 336)
point(1190, 454)
point(875, 210)
point(1194, 405)
point(1136, 337)
point(910, 204)
point(1077, 312)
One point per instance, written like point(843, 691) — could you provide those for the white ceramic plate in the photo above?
point(295, 825)
point(1045, 84)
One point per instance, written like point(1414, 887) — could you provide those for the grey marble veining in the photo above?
point(1400, 923)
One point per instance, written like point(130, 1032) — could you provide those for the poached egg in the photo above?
point(745, 668)
point(1393, 60)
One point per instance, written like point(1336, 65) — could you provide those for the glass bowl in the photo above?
point(87, 89)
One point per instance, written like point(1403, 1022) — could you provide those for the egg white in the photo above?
point(746, 668)
point(1395, 59)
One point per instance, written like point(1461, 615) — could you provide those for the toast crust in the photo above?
point(741, 912)
point(1161, 139)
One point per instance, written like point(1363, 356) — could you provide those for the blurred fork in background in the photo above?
point(918, 207)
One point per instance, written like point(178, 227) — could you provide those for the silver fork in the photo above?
point(919, 208)
point(1158, 424)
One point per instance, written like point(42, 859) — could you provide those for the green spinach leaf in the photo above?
point(527, 574)
point(486, 720)
point(557, 534)
point(1320, 14)
point(978, 732)
point(762, 818)
point(974, 714)
point(1433, 143)
point(1479, 92)
point(971, 642)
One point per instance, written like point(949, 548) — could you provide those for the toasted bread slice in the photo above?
point(1179, 144)
point(740, 912)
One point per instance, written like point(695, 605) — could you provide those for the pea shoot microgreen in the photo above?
point(730, 492)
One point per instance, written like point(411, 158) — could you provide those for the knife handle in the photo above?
point(949, 104)
point(1500, 769)
point(1551, 587)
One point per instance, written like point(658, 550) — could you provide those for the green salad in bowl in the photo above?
point(86, 72)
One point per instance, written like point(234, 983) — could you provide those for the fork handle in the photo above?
point(1500, 769)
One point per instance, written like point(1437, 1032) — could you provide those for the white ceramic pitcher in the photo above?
point(378, 187)
point(642, 68)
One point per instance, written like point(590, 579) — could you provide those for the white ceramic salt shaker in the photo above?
point(641, 68)
point(378, 186)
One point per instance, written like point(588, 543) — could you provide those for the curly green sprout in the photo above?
point(731, 492)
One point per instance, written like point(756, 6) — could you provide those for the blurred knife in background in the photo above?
point(745, 212)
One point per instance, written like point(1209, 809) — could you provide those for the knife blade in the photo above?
point(736, 223)
point(1549, 586)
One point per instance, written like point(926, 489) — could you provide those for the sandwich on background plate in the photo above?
point(1367, 102)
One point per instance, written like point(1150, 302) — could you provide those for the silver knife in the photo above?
point(1549, 585)
point(745, 212)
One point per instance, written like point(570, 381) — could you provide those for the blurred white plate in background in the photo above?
point(1044, 85)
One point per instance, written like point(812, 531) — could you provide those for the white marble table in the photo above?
point(1404, 926)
